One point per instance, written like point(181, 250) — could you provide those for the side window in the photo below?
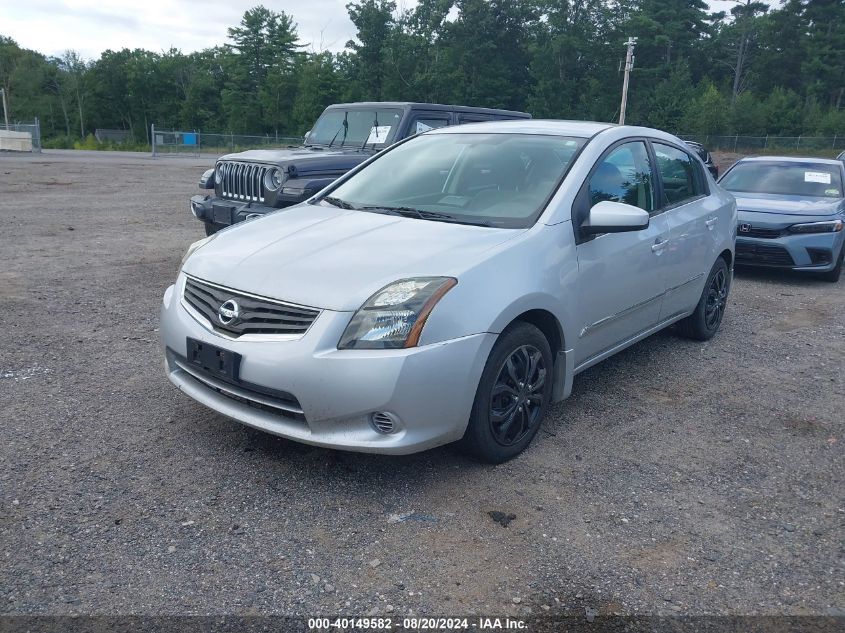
point(681, 180)
point(624, 175)
point(473, 118)
point(424, 124)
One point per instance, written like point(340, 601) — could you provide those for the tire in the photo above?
point(833, 275)
point(508, 411)
point(211, 228)
point(704, 322)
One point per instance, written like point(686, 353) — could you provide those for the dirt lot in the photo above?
point(680, 478)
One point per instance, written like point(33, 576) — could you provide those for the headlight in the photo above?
point(273, 179)
point(832, 226)
point(394, 317)
point(196, 246)
point(206, 177)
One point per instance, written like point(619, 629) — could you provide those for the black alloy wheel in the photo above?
point(516, 400)
point(717, 298)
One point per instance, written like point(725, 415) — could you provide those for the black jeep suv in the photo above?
point(255, 182)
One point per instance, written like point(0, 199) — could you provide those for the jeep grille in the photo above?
point(242, 181)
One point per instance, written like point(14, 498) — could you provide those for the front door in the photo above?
point(622, 278)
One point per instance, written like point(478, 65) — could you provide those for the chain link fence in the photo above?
point(195, 143)
point(22, 136)
point(767, 144)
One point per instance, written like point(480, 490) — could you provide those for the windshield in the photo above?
point(818, 180)
point(501, 180)
point(341, 127)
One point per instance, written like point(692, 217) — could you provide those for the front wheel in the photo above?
point(703, 323)
point(512, 397)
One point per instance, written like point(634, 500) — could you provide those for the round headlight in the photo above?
point(274, 179)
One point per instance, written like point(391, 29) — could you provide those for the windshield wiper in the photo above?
point(375, 124)
point(337, 202)
point(410, 212)
point(343, 126)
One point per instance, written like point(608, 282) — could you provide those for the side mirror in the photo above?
point(615, 217)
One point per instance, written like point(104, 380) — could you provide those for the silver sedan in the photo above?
point(451, 287)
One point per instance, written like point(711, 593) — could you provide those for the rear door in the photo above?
point(693, 217)
point(621, 275)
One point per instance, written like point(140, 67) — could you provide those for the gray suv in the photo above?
point(452, 287)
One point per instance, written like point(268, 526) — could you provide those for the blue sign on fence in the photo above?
point(189, 138)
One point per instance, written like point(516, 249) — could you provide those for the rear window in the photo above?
point(817, 180)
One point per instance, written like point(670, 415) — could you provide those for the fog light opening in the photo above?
point(384, 423)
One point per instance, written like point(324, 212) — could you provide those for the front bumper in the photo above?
point(428, 390)
point(224, 212)
point(814, 252)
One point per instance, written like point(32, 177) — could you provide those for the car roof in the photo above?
point(553, 127)
point(584, 129)
point(790, 159)
point(413, 105)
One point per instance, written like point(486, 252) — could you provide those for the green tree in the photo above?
point(261, 70)
point(782, 110)
point(707, 114)
point(668, 103)
point(374, 21)
point(747, 116)
point(319, 86)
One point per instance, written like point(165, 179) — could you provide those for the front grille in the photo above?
point(748, 253)
point(256, 315)
point(756, 231)
point(242, 181)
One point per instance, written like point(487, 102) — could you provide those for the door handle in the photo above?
point(659, 246)
point(711, 222)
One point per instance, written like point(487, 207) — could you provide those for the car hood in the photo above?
point(304, 160)
point(336, 259)
point(787, 205)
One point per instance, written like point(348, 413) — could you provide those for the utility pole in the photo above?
point(629, 65)
point(5, 107)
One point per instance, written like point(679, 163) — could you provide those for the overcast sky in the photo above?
point(92, 26)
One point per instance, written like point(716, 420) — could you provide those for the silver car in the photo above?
point(451, 287)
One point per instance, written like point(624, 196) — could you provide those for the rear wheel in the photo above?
point(704, 322)
point(512, 397)
point(833, 275)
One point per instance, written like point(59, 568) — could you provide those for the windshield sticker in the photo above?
point(817, 176)
point(832, 192)
point(379, 135)
point(422, 127)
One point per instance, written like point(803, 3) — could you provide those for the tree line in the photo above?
point(754, 70)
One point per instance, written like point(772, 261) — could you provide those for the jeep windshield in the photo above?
point(352, 127)
point(499, 180)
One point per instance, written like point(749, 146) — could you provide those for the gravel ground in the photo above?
point(680, 478)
